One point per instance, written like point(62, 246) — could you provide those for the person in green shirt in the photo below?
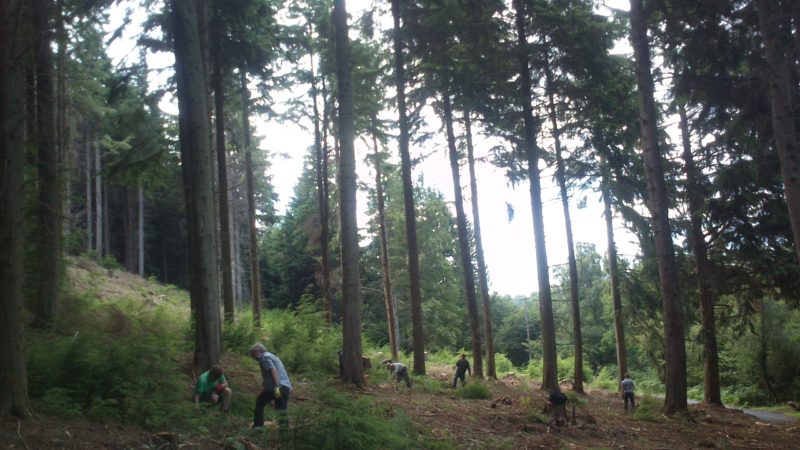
point(212, 387)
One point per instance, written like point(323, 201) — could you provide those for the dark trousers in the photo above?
point(267, 396)
point(628, 396)
point(461, 375)
point(403, 375)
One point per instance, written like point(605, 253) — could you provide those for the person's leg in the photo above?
point(626, 396)
point(406, 377)
point(262, 400)
point(455, 381)
point(633, 400)
point(463, 379)
point(281, 405)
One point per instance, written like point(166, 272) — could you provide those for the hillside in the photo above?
point(325, 414)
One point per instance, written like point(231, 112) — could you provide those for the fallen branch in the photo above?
point(19, 425)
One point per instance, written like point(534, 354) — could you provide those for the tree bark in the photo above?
point(222, 170)
point(783, 118)
point(89, 200)
point(388, 294)
point(98, 200)
point(321, 166)
point(675, 347)
point(613, 273)
point(255, 276)
point(705, 293)
point(464, 246)
point(483, 278)
point(140, 228)
point(197, 176)
point(531, 152)
point(13, 377)
point(128, 231)
point(353, 371)
point(418, 333)
point(48, 249)
point(561, 178)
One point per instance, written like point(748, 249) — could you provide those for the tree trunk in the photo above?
point(106, 220)
point(353, 371)
point(675, 348)
point(561, 177)
point(140, 229)
point(483, 279)
point(464, 246)
point(197, 176)
point(783, 119)
point(48, 249)
point(128, 231)
point(408, 197)
point(705, 293)
point(321, 166)
point(98, 200)
point(255, 279)
point(63, 138)
point(388, 294)
point(613, 273)
point(550, 370)
point(89, 200)
point(13, 378)
point(222, 172)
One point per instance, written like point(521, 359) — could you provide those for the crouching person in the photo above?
point(275, 386)
point(212, 387)
point(398, 371)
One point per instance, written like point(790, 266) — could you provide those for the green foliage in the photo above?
point(303, 341)
point(123, 367)
point(237, 337)
point(502, 364)
point(606, 379)
point(339, 420)
point(648, 409)
point(475, 391)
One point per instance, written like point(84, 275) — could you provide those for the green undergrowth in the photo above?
point(475, 390)
point(648, 409)
point(110, 362)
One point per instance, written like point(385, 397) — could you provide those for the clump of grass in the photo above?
point(475, 391)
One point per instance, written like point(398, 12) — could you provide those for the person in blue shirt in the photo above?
point(627, 391)
point(275, 386)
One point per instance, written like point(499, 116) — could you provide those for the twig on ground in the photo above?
point(19, 425)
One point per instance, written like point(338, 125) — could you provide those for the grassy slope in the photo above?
point(123, 309)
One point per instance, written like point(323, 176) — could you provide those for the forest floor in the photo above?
point(512, 418)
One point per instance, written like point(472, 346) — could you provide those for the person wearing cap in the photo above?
point(212, 387)
point(275, 386)
point(398, 371)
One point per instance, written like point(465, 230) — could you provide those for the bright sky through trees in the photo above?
point(508, 245)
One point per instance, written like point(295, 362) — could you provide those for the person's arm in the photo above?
point(469, 369)
point(275, 377)
point(224, 382)
point(196, 399)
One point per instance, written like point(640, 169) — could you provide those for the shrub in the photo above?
point(122, 368)
point(648, 409)
point(605, 379)
point(338, 420)
point(502, 364)
point(305, 344)
point(475, 391)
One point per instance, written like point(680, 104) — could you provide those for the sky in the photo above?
point(508, 245)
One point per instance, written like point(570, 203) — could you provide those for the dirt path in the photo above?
point(764, 416)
